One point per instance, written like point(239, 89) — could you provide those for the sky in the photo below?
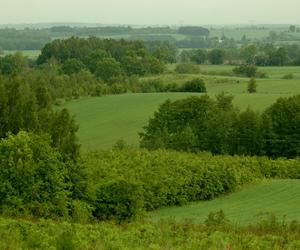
point(151, 12)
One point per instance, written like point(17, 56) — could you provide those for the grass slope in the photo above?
point(278, 197)
point(32, 54)
point(104, 120)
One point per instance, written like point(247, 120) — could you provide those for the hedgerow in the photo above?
point(127, 182)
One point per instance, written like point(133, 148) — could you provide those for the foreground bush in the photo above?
point(32, 177)
point(215, 233)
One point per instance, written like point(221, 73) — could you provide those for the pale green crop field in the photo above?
point(277, 197)
point(252, 33)
point(32, 54)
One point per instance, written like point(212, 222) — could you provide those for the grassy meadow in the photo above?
point(104, 120)
point(32, 54)
point(250, 32)
point(248, 205)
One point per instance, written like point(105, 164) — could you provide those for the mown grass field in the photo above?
point(33, 54)
point(253, 33)
point(277, 197)
point(104, 120)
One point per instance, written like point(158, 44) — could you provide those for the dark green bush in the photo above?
point(118, 199)
point(288, 76)
point(245, 70)
point(195, 85)
point(187, 68)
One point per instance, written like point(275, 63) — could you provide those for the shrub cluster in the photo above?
point(216, 233)
point(35, 180)
point(127, 182)
point(245, 70)
point(187, 68)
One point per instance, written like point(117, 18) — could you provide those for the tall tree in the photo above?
point(216, 56)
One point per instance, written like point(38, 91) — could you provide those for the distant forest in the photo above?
point(182, 37)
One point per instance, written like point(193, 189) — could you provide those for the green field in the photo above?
point(104, 120)
point(253, 33)
point(277, 197)
point(32, 54)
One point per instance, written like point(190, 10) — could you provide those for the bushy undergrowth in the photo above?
point(127, 182)
point(118, 185)
point(32, 177)
point(215, 233)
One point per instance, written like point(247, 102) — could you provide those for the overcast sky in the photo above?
point(151, 11)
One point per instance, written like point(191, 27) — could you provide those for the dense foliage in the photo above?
point(195, 85)
point(28, 107)
point(125, 183)
point(32, 177)
point(215, 233)
point(205, 124)
point(27, 39)
point(106, 58)
point(258, 54)
point(245, 70)
point(118, 184)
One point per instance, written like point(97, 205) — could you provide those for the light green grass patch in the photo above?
point(278, 197)
point(32, 54)
point(104, 120)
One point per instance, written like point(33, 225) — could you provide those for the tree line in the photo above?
point(193, 36)
point(266, 54)
point(204, 124)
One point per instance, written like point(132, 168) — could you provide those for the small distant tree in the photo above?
point(248, 54)
point(245, 70)
point(224, 101)
point(154, 65)
point(199, 56)
point(72, 66)
point(195, 85)
point(279, 57)
point(120, 144)
point(252, 85)
point(283, 119)
point(187, 68)
point(292, 28)
point(94, 57)
point(288, 76)
point(108, 68)
point(13, 64)
point(216, 56)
